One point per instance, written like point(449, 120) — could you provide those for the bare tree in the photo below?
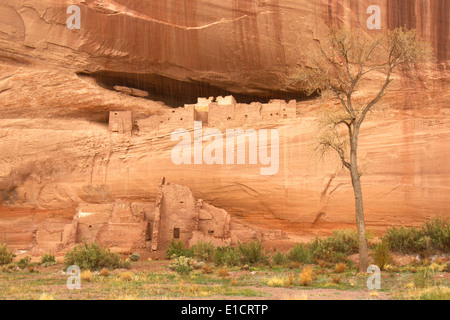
point(338, 70)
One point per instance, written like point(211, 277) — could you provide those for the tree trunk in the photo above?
point(356, 182)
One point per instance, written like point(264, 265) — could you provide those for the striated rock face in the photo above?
point(57, 91)
point(199, 47)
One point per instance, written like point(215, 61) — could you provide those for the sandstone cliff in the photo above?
point(57, 88)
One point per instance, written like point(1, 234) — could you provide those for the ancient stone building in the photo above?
point(224, 112)
point(120, 122)
point(182, 117)
point(127, 225)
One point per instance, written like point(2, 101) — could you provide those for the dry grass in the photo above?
point(281, 281)
point(46, 296)
point(430, 293)
point(105, 272)
point(340, 268)
point(126, 276)
point(223, 273)
point(207, 269)
point(306, 276)
point(336, 279)
point(87, 276)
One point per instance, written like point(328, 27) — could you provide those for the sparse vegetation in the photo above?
point(306, 276)
point(301, 253)
point(336, 247)
point(126, 276)
point(104, 272)
point(135, 257)
point(182, 265)
point(6, 256)
point(340, 267)
point(93, 257)
point(47, 259)
point(432, 236)
point(253, 253)
point(24, 262)
point(87, 276)
point(336, 279)
point(382, 254)
point(178, 249)
point(204, 251)
point(280, 259)
point(223, 273)
point(207, 269)
point(227, 256)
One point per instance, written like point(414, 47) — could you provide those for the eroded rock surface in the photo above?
point(57, 92)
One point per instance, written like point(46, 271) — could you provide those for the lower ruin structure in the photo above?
point(127, 225)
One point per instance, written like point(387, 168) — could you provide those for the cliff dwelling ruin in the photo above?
point(126, 225)
point(223, 112)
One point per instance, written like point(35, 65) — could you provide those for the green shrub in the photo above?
point(382, 254)
point(405, 240)
point(280, 259)
point(182, 265)
point(252, 253)
point(336, 247)
point(48, 259)
point(6, 256)
point(204, 251)
point(178, 249)
point(301, 253)
point(438, 231)
point(227, 256)
point(92, 257)
point(24, 262)
point(135, 257)
point(423, 279)
point(433, 235)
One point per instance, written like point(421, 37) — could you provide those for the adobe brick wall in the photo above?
point(120, 122)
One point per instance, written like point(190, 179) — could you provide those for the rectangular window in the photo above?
point(176, 233)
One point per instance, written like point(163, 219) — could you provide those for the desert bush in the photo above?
point(227, 256)
point(382, 254)
point(6, 256)
point(340, 267)
point(434, 235)
point(280, 259)
point(135, 257)
point(252, 253)
point(24, 262)
point(182, 265)
point(306, 276)
point(301, 253)
point(405, 240)
point(203, 251)
point(438, 231)
point(337, 247)
point(47, 259)
point(92, 257)
point(178, 249)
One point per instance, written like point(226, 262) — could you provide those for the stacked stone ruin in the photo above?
point(219, 112)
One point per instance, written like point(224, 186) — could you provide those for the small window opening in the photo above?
point(176, 233)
